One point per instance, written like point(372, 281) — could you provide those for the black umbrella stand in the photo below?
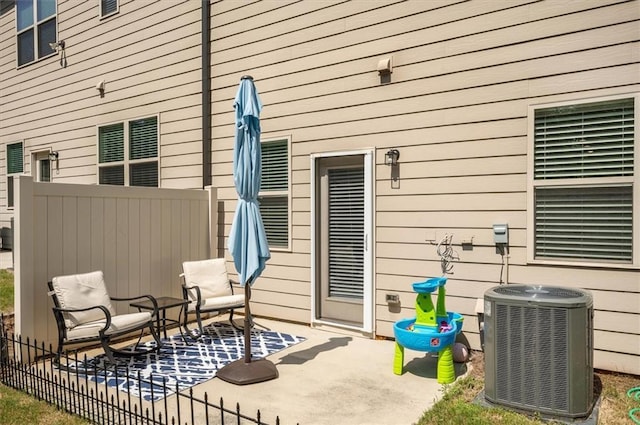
point(247, 371)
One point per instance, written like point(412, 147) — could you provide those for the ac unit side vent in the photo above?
point(533, 368)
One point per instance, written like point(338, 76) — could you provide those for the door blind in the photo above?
point(346, 232)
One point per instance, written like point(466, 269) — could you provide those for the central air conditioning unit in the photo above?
point(539, 349)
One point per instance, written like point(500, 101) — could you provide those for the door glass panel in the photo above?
point(45, 170)
point(346, 232)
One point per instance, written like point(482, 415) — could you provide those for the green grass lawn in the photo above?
point(6, 291)
point(17, 408)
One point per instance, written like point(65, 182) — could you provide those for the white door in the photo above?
point(342, 214)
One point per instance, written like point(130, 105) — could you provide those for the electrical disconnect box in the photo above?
point(501, 233)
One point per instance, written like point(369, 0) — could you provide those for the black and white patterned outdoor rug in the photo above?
point(180, 365)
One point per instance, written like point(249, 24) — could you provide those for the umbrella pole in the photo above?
point(244, 371)
point(247, 322)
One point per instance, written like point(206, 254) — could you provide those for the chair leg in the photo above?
point(198, 315)
point(195, 335)
point(104, 340)
point(156, 337)
point(240, 328)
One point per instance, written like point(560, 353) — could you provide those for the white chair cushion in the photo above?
point(209, 275)
point(119, 324)
point(219, 303)
point(82, 291)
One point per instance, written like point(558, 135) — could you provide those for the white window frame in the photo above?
point(633, 180)
point(286, 193)
point(126, 162)
point(34, 26)
point(12, 175)
point(115, 12)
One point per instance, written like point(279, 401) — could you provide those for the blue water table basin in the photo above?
point(427, 338)
point(431, 330)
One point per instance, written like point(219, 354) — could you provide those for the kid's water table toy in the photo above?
point(432, 330)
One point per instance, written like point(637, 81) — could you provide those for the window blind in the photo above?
point(144, 174)
point(275, 217)
point(111, 143)
point(112, 175)
point(590, 140)
point(346, 232)
point(275, 166)
point(589, 223)
point(143, 138)
point(108, 6)
point(14, 158)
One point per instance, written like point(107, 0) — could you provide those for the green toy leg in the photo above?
point(398, 359)
point(446, 371)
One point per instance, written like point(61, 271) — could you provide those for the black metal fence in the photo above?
point(29, 368)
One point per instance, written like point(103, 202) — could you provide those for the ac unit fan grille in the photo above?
point(546, 292)
point(532, 370)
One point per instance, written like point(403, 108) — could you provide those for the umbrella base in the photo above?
point(242, 373)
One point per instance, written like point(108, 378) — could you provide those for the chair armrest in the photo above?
point(185, 291)
point(104, 309)
point(231, 283)
point(149, 297)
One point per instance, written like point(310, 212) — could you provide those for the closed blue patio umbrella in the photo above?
point(247, 240)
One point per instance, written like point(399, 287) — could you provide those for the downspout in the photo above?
point(206, 93)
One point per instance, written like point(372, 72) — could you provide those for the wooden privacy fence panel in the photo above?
point(137, 236)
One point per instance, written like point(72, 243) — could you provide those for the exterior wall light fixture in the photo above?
point(391, 157)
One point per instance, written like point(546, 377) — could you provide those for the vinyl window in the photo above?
point(15, 166)
point(584, 182)
point(36, 27)
point(128, 153)
point(274, 192)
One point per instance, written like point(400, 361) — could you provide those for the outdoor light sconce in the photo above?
point(53, 157)
point(100, 87)
point(58, 47)
point(391, 157)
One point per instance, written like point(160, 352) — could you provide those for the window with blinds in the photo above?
point(108, 7)
point(15, 165)
point(130, 163)
point(274, 192)
point(583, 181)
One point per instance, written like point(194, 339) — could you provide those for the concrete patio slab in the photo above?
point(336, 378)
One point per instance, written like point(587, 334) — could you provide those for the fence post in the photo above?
point(23, 249)
point(213, 221)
